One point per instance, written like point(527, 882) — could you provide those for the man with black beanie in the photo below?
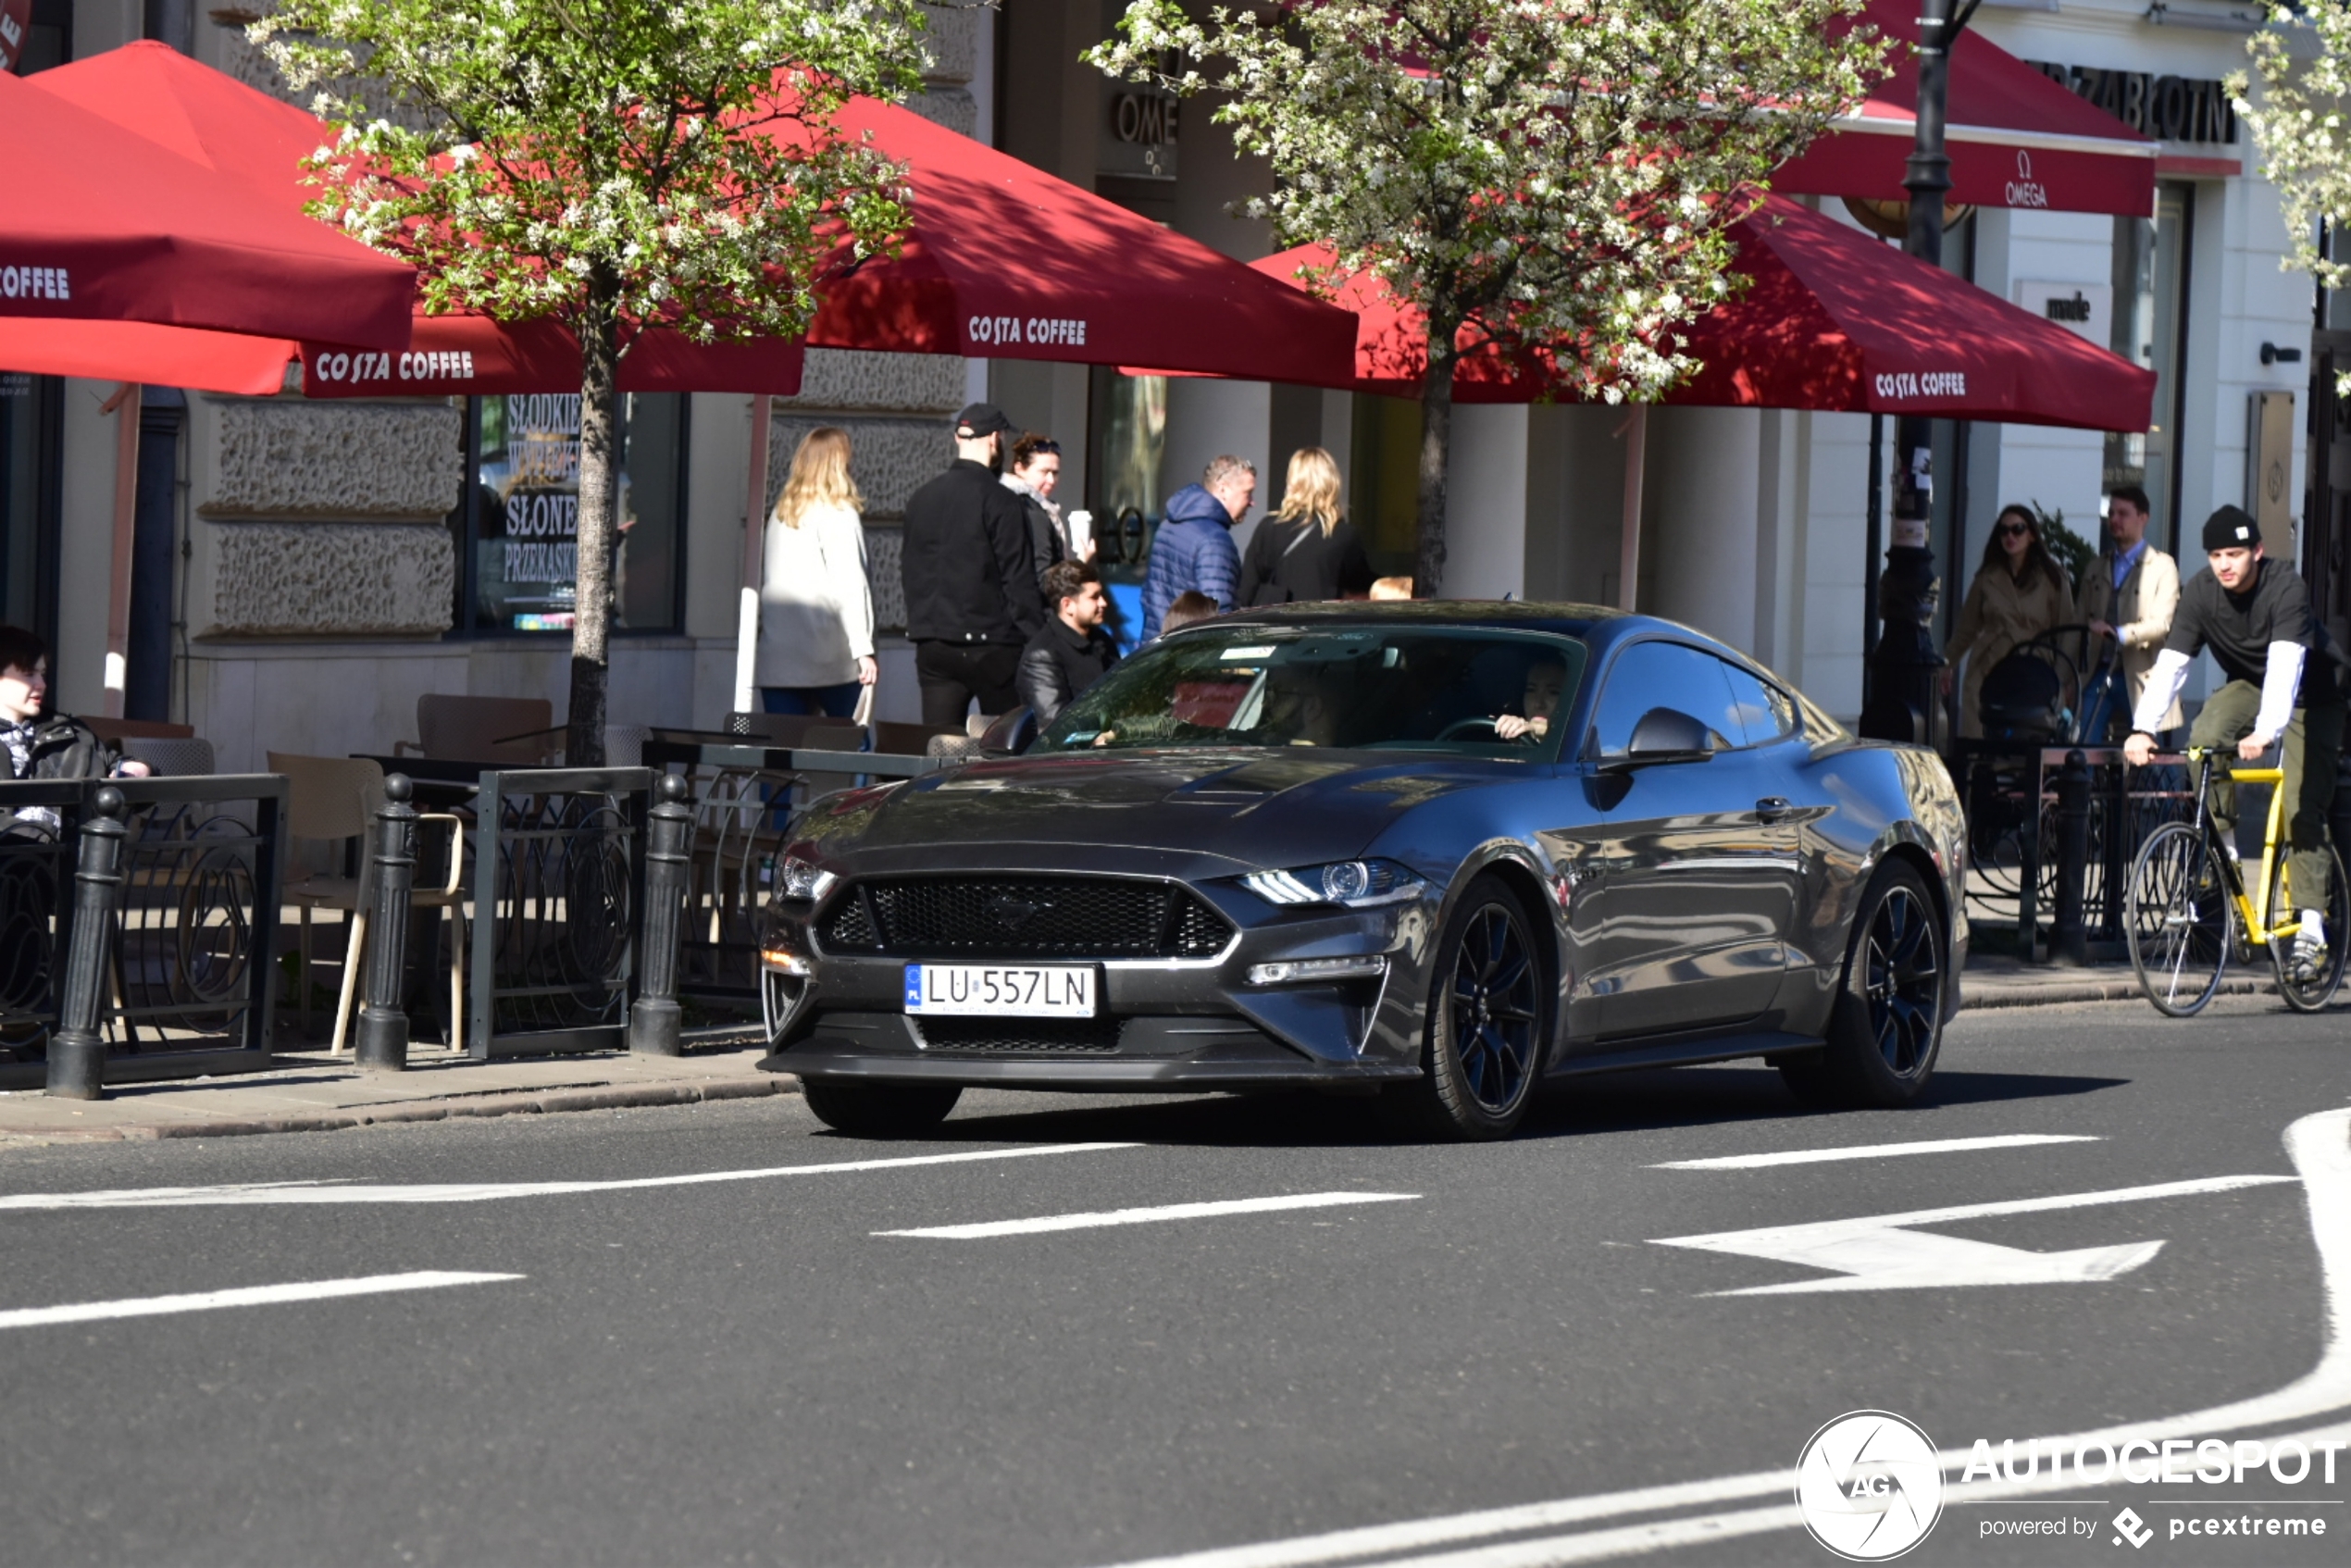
point(972, 600)
point(2254, 616)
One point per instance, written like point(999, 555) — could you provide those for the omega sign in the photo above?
point(2024, 190)
point(1138, 135)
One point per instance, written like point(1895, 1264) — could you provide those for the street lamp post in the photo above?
point(1905, 669)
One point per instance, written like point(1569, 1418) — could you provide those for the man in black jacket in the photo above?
point(1073, 652)
point(972, 599)
point(33, 747)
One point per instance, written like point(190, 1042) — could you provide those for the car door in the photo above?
point(1693, 890)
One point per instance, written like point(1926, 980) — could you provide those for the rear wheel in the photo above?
point(881, 1109)
point(2308, 986)
point(1886, 1026)
point(1487, 1013)
point(2179, 920)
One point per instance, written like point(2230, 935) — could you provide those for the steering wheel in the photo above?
point(1459, 726)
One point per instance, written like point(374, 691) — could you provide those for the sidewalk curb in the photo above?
point(520, 1103)
point(2057, 994)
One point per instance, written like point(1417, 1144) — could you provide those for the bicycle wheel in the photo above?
point(2181, 919)
point(2309, 993)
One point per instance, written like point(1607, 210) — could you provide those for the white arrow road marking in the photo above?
point(484, 1192)
point(1881, 1253)
point(2320, 1148)
point(1874, 1152)
point(251, 1296)
point(1149, 1216)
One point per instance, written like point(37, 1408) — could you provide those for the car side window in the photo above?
point(1764, 711)
point(1663, 675)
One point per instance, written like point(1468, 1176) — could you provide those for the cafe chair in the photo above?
point(501, 731)
point(171, 756)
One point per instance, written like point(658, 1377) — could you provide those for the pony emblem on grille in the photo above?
point(1012, 912)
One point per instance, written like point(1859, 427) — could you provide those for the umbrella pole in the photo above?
point(1628, 562)
point(754, 552)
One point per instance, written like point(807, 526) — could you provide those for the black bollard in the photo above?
point(2069, 942)
point(76, 1051)
point(381, 1038)
point(654, 1020)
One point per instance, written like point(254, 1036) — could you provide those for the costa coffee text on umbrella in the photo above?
point(36, 282)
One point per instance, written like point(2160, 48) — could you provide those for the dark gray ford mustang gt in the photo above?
point(1441, 850)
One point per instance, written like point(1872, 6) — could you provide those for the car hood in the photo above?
point(1254, 808)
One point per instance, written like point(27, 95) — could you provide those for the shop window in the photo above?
point(30, 460)
point(1384, 483)
point(2150, 326)
point(48, 41)
point(1126, 483)
point(517, 525)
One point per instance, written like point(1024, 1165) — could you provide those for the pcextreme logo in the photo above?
point(1869, 1486)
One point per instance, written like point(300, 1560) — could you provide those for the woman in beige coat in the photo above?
point(2019, 591)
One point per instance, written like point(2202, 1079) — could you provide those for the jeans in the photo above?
point(833, 702)
point(2313, 739)
point(954, 674)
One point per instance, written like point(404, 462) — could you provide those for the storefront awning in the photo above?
point(2015, 138)
point(101, 225)
point(1832, 319)
point(207, 118)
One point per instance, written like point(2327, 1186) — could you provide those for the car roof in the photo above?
point(1597, 625)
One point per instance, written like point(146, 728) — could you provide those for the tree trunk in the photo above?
point(599, 463)
point(1437, 438)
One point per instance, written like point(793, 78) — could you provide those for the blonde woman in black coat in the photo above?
point(1308, 550)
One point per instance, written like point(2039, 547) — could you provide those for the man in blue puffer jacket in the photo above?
point(1194, 549)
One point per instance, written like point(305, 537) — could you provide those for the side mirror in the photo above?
point(1663, 735)
point(1010, 735)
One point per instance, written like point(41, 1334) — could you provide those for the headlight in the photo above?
point(1357, 883)
point(802, 879)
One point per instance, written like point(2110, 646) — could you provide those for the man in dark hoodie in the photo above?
point(1193, 550)
point(972, 599)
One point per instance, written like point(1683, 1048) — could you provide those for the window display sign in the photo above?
point(16, 24)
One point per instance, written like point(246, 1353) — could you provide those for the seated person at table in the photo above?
point(53, 748)
point(1546, 680)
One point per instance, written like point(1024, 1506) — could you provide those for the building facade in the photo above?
point(290, 575)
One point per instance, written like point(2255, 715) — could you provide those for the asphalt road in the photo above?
point(751, 1369)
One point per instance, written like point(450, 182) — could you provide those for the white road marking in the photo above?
point(2320, 1148)
point(481, 1192)
point(250, 1296)
point(1149, 1216)
point(1873, 1151)
point(1881, 1253)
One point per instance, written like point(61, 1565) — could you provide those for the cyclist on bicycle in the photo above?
point(2254, 616)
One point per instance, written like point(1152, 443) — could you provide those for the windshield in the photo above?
point(1464, 690)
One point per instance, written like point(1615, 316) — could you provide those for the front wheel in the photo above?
point(2309, 986)
point(881, 1109)
point(1487, 1013)
point(1886, 1026)
point(2179, 920)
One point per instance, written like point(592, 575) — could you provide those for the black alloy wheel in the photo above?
point(1487, 1009)
point(1886, 1026)
point(880, 1110)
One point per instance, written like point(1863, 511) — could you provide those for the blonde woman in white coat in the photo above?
point(815, 606)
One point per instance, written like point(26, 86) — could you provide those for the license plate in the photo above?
point(1000, 991)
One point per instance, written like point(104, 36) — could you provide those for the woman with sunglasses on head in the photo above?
point(2019, 591)
point(1033, 472)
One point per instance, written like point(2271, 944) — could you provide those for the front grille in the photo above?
point(1097, 1036)
point(1070, 917)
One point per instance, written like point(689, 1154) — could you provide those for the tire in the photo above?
point(881, 1109)
point(2179, 920)
point(2313, 992)
point(1487, 1021)
point(1886, 1029)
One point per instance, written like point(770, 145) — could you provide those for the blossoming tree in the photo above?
point(1549, 177)
point(610, 164)
point(2302, 127)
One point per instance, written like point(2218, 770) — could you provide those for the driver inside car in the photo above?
point(1546, 681)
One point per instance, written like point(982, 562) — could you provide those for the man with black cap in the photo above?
point(972, 600)
point(2254, 616)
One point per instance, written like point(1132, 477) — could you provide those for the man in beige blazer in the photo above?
point(2130, 593)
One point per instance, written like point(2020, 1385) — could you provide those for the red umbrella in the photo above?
point(1006, 262)
point(103, 225)
point(1832, 319)
point(2016, 138)
point(210, 119)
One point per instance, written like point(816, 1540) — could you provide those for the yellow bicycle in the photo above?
point(2189, 909)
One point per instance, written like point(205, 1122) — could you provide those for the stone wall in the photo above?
point(333, 579)
point(285, 459)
